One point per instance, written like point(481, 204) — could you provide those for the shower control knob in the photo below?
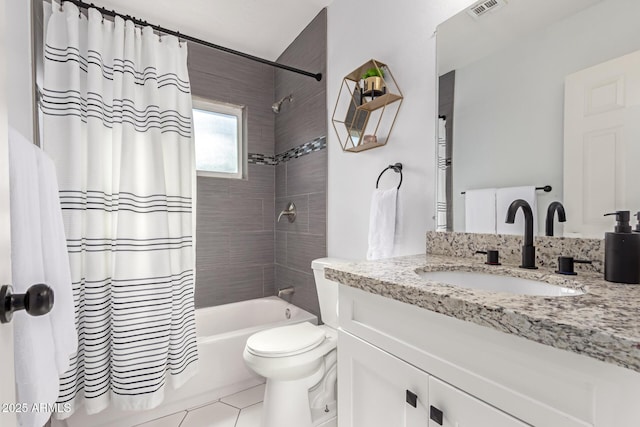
point(37, 301)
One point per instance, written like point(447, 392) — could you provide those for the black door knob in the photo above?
point(37, 301)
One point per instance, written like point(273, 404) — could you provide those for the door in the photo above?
point(7, 389)
point(601, 144)
point(450, 407)
point(377, 389)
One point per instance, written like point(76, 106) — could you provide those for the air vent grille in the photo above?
point(485, 6)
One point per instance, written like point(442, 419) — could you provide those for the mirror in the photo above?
point(502, 94)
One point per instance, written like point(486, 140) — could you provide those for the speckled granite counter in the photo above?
point(604, 323)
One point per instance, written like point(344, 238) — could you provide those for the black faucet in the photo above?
point(562, 217)
point(528, 250)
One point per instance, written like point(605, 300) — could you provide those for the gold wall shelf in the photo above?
point(366, 109)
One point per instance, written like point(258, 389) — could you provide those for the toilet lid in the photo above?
point(286, 340)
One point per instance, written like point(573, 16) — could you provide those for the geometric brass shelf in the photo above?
point(366, 110)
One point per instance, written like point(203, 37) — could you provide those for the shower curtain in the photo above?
point(441, 177)
point(116, 110)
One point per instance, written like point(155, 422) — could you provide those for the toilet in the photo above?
point(299, 363)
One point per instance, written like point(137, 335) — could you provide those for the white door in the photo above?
point(7, 394)
point(7, 388)
point(450, 407)
point(377, 389)
point(601, 144)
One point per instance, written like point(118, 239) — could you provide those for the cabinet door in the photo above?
point(376, 389)
point(451, 407)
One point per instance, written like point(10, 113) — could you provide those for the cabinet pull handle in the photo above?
point(412, 398)
point(436, 415)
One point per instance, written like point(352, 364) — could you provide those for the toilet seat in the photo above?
point(286, 341)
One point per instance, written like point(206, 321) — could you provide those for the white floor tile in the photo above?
point(214, 415)
point(245, 398)
point(251, 416)
point(173, 420)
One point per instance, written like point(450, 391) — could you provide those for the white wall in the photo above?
point(19, 73)
point(401, 34)
point(509, 106)
point(15, 110)
point(6, 331)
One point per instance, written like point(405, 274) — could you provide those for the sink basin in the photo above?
point(497, 283)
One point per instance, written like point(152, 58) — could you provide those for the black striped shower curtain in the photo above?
point(116, 110)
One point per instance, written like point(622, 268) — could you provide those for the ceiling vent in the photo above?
point(485, 6)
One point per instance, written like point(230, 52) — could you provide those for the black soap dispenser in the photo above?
point(622, 251)
point(637, 229)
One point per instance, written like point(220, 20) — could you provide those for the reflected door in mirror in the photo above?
point(602, 144)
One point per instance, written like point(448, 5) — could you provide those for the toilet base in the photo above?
point(286, 404)
point(323, 418)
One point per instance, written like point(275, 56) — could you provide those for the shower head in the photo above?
point(276, 105)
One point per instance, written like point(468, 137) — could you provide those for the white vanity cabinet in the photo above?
point(380, 390)
point(476, 375)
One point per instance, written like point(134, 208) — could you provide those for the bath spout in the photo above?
point(289, 290)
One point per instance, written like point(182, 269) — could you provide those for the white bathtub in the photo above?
point(222, 334)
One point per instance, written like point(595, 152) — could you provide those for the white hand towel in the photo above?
point(382, 224)
point(480, 211)
point(504, 197)
point(36, 360)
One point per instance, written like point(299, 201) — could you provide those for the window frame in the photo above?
point(240, 112)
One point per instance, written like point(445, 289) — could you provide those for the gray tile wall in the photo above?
point(302, 180)
point(235, 225)
point(305, 118)
point(237, 255)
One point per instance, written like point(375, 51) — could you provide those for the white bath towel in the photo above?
point(504, 197)
point(56, 264)
point(38, 359)
point(382, 224)
point(480, 211)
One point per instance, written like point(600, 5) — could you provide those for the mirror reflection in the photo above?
point(539, 93)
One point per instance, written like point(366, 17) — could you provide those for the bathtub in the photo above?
point(222, 334)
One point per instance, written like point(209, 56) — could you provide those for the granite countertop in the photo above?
point(603, 323)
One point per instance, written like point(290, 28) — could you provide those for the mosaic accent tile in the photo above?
point(301, 150)
point(316, 144)
point(261, 159)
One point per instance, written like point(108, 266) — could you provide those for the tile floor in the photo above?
point(242, 409)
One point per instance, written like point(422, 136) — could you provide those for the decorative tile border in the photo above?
point(261, 159)
point(316, 144)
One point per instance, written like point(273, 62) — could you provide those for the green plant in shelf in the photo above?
point(373, 72)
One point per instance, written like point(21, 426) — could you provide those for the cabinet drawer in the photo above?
point(458, 409)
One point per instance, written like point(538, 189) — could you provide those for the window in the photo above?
point(220, 139)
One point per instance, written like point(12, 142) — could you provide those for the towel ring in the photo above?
point(396, 168)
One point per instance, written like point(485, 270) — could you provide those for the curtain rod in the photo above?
point(139, 22)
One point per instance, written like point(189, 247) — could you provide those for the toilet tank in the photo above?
point(327, 290)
